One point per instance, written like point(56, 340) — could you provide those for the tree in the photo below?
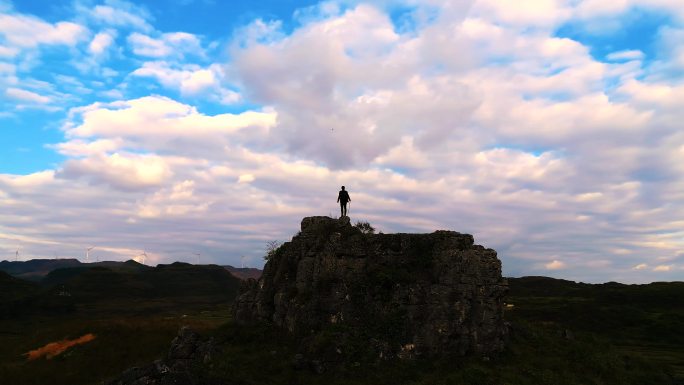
point(271, 249)
point(365, 227)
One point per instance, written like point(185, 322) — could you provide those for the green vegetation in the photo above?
point(643, 321)
point(561, 332)
point(537, 354)
point(134, 312)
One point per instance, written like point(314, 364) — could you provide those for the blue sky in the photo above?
point(549, 129)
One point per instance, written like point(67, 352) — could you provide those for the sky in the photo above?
point(549, 129)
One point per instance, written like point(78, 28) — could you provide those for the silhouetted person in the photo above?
point(343, 198)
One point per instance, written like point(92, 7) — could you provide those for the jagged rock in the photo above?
point(403, 295)
point(299, 362)
point(187, 350)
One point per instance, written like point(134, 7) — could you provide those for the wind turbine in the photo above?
point(198, 257)
point(16, 256)
point(88, 253)
point(242, 260)
point(144, 257)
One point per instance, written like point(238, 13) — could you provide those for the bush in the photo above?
point(365, 227)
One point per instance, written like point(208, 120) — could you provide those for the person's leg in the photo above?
point(344, 209)
point(341, 209)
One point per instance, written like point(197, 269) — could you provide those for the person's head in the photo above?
point(342, 187)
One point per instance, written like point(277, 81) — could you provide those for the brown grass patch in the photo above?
point(56, 348)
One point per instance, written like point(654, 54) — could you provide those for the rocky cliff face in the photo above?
point(399, 295)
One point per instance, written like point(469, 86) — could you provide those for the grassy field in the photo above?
point(536, 354)
point(133, 312)
point(643, 321)
point(561, 333)
point(121, 341)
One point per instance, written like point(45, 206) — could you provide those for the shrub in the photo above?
point(365, 227)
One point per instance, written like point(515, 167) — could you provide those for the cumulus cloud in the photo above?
point(80, 148)
point(120, 170)
point(26, 31)
point(359, 85)
point(152, 118)
point(190, 80)
point(478, 119)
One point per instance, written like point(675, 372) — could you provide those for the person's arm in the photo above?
point(338, 198)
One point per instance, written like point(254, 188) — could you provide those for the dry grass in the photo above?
point(56, 348)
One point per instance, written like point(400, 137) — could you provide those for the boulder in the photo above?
point(188, 350)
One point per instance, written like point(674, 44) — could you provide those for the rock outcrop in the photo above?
point(399, 295)
point(187, 353)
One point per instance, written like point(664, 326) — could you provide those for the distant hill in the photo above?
point(133, 280)
point(64, 289)
point(36, 269)
point(655, 294)
point(244, 272)
point(63, 275)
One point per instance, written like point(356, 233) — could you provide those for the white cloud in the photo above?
point(79, 148)
point(259, 31)
point(246, 178)
point(36, 179)
point(156, 117)
point(27, 31)
point(555, 265)
point(26, 96)
point(8, 52)
point(119, 14)
point(662, 268)
point(625, 55)
point(190, 80)
point(146, 46)
point(7, 68)
point(101, 42)
point(524, 13)
point(177, 201)
point(119, 170)
point(604, 9)
point(468, 120)
point(169, 44)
